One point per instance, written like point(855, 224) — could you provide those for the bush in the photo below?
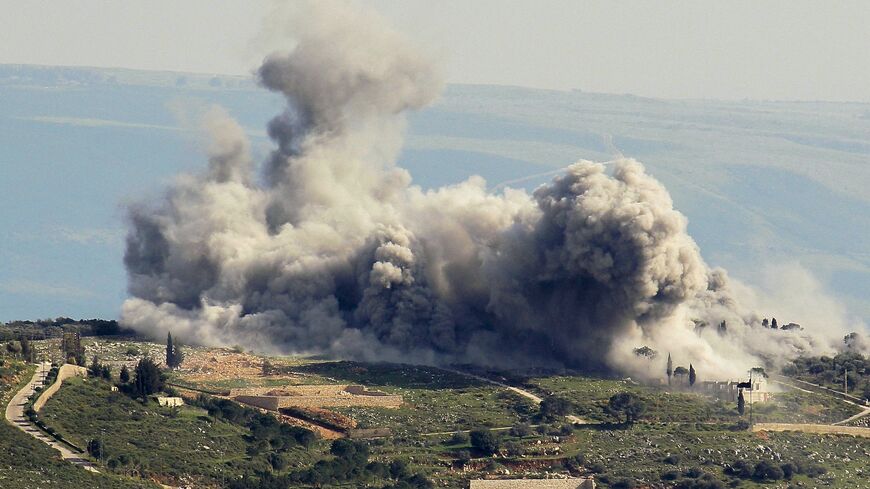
point(596, 468)
point(788, 470)
point(623, 484)
point(672, 459)
point(707, 482)
point(553, 407)
point(521, 430)
point(740, 469)
point(458, 438)
point(671, 475)
point(485, 441)
point(463, 457)
point(814, 471)
point(765, 470)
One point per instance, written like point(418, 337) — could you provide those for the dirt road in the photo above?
point(528, 395)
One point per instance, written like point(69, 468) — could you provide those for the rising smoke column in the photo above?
point(336, 252)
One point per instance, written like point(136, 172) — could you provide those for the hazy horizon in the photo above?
point(700, 50)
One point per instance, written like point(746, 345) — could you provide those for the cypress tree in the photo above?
point(692, 375)
point(670, 369)
point(170, 351)
point(741, 403)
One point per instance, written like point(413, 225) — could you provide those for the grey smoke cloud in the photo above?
point(337, 252)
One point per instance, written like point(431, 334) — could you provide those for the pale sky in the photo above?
point(697, 49)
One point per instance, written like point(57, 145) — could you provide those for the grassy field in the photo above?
point(28, 463)
point(590, 395)
point(181, 444)
point(434, 400)
point(683, 434)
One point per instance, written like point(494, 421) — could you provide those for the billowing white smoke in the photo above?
point(336, 252)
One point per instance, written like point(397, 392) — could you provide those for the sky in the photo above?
point(772, 50)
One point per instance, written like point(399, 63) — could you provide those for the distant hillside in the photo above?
point(760, 182)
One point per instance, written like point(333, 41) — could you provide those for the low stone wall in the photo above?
point(347, 400)
point(579, 483)
point(274, 403)
point(64, 372)
point(264, 402)
point(814, 428)
point(294, 390)
point(314, 396)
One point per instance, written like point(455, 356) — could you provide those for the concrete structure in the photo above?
point(575, 483)
point(727, 390)
point(170, 401)
point(308, 396)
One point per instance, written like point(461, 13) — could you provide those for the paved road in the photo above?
point(15, 416)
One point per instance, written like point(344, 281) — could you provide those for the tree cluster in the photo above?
point(349, 464)
point(99, 370)
point(830, 372)
point(625, 407)
point(147, 379)
point(764, 470)
point(267, 434)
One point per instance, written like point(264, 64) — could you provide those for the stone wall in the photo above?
point(293, 390)
point(346, 400)
point(270, 403)
point(314, 396)
point(578, 483)
point(814, 428)
point(64, 372)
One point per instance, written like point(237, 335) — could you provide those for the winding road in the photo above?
point(15, 416)
point(524, 393)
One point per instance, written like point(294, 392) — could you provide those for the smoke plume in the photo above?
point(331, 249)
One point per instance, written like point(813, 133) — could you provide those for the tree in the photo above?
point(765, 323)
point(177, 356)
point(646, 352)
point(95, 449)
point(552, 407)
point(95, 368)
point(773, 324)
point(627, 405)
point(759, 371)
point(27, 353)
point(692, 375)
point(741, 403)
point(124, 375)
point(148, 379)
point(174, 355)
point(485, 441)
point(681, 372)
point(267, 367)
point(170, 350)
point(670, 369)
